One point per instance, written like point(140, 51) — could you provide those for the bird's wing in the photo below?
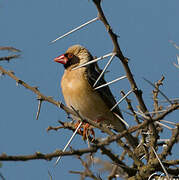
point(93, 72)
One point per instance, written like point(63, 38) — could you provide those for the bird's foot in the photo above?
point(87, 130)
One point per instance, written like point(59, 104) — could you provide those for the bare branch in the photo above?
point(8, 58)
point(8, 48)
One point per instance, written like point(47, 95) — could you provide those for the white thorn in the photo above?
point(108, 63)
point(121, 99)
point(153, 112)
point(68, 143)
point(141, 114)
point(73, 30)
point(161, 163)
point(169, 122)
point(164, 125)
point(121, 119)
point(163, 140)
point(177, 65)
point(174, 44)
point(93, 61)
point(113, 81)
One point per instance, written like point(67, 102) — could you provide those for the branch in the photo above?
point(8, 48)
point(36, 91)
point(8, 58)
point(49, 156)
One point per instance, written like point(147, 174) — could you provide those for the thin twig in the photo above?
point(8, 58)
point(8, 48)
point(159, 91)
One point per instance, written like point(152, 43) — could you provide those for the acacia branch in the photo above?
point(49, 156)
point(124, 60)
point(8, 58)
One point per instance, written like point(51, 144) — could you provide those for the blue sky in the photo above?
point(145, 29)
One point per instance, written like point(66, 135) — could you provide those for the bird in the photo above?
point(79, 93)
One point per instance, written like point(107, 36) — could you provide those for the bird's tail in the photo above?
point(119, 126)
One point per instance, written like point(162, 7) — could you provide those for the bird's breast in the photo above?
point(78, 93)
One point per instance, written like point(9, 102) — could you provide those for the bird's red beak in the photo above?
point(61, 59)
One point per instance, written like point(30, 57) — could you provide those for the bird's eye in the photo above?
point(70, 56)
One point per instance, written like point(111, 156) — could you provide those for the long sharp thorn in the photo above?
point(141, 114)
point(119, 117)
point(93, 61)
point(161, 124)
point(166, 173)
point(169, 122)
point(174, 44)
point(153, 112)
point(121, 99)
point(177, 65)
point(113, 81)
point(68, 143)
point(108, 63)
point(39, 107)
point(159, 91)
point(79, 27)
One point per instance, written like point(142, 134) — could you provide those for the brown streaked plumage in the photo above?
point(77, 89)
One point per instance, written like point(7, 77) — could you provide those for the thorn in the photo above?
point(108, 63)
point(50, 175)
point(121, 99)
point(174, 44)
point(175, 124)
point(17, 83)
point(10, 49)
point(153, 112)
point(113, 81)
point(163, 140)
point(39, 107)
point(68, 143)
point(177, 65)
point(161, 163)
point(119, 117)
point(164, 125)
point(75, 29)
point(93, 61)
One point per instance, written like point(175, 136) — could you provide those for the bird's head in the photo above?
point(74, 56)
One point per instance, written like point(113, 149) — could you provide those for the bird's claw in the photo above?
point(87, 130)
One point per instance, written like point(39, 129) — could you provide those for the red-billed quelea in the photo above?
point(78, 91)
